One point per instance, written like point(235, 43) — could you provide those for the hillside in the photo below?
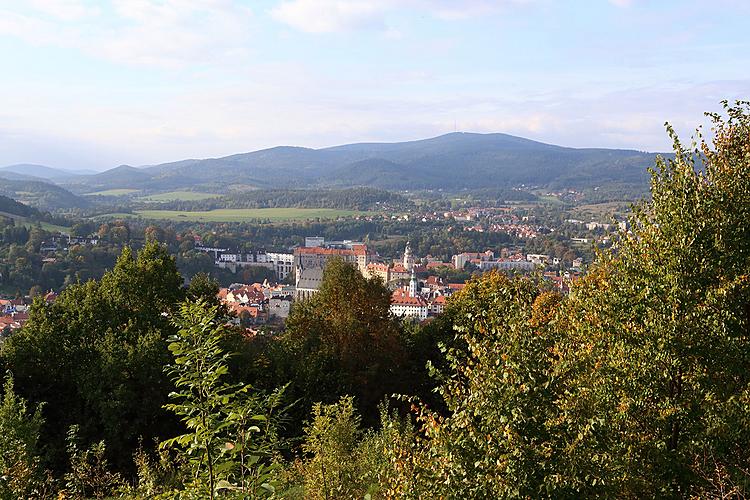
point(9, 206)
point(451, 161)
point(41, 171)
point(42, 195)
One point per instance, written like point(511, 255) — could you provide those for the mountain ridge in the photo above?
point(458, 160)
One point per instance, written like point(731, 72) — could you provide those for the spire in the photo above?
point(413, 284)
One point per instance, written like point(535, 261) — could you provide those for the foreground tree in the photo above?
point(20, 471)
point(95, 356)
point(230, 429)
point(341, 341)
point(637, 385)
point(658, 335)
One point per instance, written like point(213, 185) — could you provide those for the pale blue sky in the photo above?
point(94, 84)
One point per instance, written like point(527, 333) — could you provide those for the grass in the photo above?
point(602, 210)
point(47, 227)
point(113, 192)
point(23, 221)
point(179, 196)
point(111, 216)
point(247, 214)
point(553, 200)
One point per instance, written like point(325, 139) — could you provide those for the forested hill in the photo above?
point(43, 195)
point(457, 160)
point(12, 207)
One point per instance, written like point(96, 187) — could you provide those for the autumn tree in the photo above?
point(657, 334)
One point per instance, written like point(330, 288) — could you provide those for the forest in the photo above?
point(635, 385)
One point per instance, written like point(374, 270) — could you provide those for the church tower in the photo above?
point(413, 284)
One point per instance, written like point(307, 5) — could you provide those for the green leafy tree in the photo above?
point(20, 470)
point(95, 356)
point(220, 419)
point(89, 475)
point(657, 333)
point(497, 384)
point(343, 340)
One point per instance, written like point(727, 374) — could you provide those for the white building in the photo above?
point(314, 241)
point(279, 306)
point(507, 265)
point(538, 259)
point(283, 263)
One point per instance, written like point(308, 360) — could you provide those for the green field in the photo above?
point(23, 221)
point(602, 211)
point(112, 216)
point(113, 192)
point(179, 196)
point(247, 214)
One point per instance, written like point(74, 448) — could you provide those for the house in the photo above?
point(506, 265)
point(460, 260)
point(403, 305)
point(279, 307)
point(538, 259)
point(437, 305)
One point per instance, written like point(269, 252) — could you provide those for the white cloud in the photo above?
point(168, 33)
point(66, 10)
point(326, 16)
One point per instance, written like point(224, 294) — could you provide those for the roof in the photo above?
point(432, 265)
point(310, 278)
point(401, 297)
point(323, 251)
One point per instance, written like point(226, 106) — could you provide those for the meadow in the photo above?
point(246, 214)
point(113, 192)
point(179, 196)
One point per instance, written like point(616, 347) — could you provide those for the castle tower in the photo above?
point(408, 258)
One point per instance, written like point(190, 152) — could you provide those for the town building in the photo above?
point(307, 282)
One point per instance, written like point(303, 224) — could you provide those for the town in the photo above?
point(505, 238)
point(418, 291)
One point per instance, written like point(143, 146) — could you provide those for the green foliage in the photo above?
point(344, 461)
point(343, 340)
point(89, 475)
point(664, 323)
point(223, 444)
point(95, 356)
point(331, 439)
point(20, 471)
point(634, 386)
point(499, 390)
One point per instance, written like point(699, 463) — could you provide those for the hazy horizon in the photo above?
point(93, 85)
point(105, 168)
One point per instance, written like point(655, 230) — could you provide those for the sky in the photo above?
point(96, 84)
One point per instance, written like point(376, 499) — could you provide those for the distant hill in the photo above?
point(451, 161)
point(41, 171)
point(12, 207)
point(42, 195)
